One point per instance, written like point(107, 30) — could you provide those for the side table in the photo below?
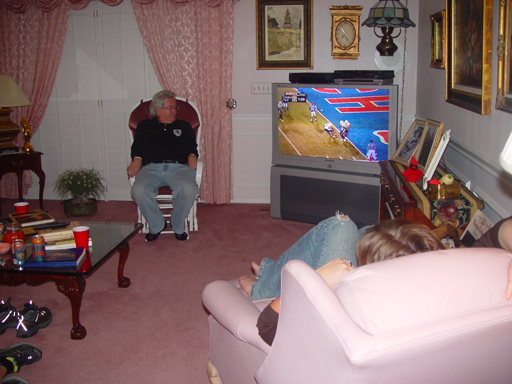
point(19, 162)
point(406, 200)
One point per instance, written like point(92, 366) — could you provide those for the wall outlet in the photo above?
point(261, 88)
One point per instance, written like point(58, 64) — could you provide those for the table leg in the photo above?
point(124, 250)
point(73, 288)
point(19, 175)
point(42, 178)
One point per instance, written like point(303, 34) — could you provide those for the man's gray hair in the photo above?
point(158, 101)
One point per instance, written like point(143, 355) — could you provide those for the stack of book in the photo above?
point(58, 258)
point(60, 238)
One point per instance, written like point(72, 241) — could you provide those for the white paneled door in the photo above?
point(104, 72)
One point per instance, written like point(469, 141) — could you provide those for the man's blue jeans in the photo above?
point(332, 238)
point(180, 178)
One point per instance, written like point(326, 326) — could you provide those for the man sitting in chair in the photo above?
point(164, 153)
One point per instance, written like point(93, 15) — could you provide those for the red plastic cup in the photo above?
point(81, 235)
point(21, 207)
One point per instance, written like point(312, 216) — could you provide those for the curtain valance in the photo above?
point(21, 6)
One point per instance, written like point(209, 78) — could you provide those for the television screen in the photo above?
point(331, 125)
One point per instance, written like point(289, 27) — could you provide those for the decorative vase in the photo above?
point(80, 209)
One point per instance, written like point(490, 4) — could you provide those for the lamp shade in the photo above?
point(506, 156)
point(389, 13)
point(10, 94)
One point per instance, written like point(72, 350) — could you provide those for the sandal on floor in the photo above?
point(153, 236)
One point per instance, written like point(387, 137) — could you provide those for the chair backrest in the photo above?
point(187, 112)
point(437, 317)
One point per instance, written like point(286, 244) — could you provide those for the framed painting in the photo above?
point(469, 56)
point(438, 39)
point(429, 142)
point(504, 95)
point(284, 34)
point(410, 144)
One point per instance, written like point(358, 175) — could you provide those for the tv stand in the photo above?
point(312, 195)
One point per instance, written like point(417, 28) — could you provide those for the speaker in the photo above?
point(311, 196)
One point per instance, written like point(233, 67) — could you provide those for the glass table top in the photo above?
point(106, 237)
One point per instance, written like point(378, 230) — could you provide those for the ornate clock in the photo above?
point(345, 31)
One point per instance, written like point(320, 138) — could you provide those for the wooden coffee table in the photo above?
point(107, 239)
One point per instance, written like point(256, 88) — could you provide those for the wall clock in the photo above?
point(345, 31)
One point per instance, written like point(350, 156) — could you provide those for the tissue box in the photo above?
point(443, 192)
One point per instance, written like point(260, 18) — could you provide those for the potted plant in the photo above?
point(84, 186)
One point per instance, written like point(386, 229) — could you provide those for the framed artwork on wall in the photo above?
point(504, 94)
point(429, 143)
point(438, 39)
point(410, 144)
point(469, 56)
point(284, 34)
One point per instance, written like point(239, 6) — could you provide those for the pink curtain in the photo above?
point(31, 43)
point(190, 44)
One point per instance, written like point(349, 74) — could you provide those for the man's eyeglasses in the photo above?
point(171, 108)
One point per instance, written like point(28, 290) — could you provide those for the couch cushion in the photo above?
point(397, 297)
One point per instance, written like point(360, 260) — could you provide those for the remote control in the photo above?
point(57, 224)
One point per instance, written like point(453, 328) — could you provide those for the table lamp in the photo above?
point(12, 96)
point(388, 15)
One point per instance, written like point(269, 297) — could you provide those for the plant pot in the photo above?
point(80, 209)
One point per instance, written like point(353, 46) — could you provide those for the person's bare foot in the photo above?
point(255, 268)
point(246, 282)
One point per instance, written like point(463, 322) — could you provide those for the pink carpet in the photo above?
point(156, 330)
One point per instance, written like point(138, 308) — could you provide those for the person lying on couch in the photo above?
point(384, 241)
point(336, 237)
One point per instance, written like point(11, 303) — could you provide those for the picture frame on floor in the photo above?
point(429, 142)
point(469, 56)
point(410, 143)
point(284, 34)
point(429, 172)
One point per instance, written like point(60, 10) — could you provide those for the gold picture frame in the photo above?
point(409, 145)
point(429, 143)
point(438, 39)
point(504, 94)
point(469, 54)
point(284, 34)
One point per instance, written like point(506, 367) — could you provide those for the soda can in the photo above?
point(38, 248)
point(18, 252)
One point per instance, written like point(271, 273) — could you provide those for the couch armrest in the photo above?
point(234, 311)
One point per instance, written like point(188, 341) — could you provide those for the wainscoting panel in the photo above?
point(488, 180)
point(252, 157)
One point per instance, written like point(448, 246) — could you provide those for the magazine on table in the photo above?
point(31, 218)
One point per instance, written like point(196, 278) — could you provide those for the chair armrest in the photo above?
point(234, 311)
point(199, 172)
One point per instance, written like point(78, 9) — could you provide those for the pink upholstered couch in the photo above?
point(438, 317)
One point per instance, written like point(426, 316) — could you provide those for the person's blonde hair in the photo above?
point(394, 238)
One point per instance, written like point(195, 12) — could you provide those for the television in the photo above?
point(339, 127)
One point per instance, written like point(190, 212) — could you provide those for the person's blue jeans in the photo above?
point(180, 178)
point(332, 238)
